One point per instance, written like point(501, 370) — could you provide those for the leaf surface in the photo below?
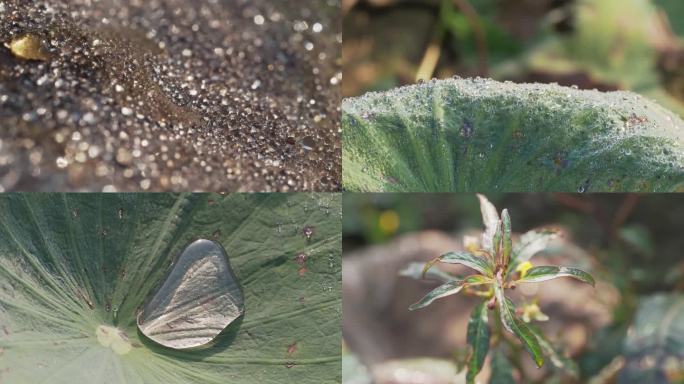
point(478, 339)
point(468, 259)
point(544, 273)
point(502, 370)
point(76, 268)
point(517, 327)
point(471, 135)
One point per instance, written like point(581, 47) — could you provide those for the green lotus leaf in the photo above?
point(482, 135)
point(76, 270)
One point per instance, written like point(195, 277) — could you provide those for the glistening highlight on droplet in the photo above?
point(198, 299)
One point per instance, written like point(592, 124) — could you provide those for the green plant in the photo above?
point(79, 272)
point(477, 134)
point(501, 266)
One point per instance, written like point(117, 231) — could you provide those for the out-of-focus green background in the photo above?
point(631, 243)
point(604, 44)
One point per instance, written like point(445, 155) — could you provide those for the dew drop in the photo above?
point(584, 187)
point(308, 232)
point(308, 143)
point(198, 299)
point(28, 47)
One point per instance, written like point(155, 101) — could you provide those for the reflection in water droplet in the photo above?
point(308, 143)
point(198, 299)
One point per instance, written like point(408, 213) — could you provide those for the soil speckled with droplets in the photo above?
point(232, 95)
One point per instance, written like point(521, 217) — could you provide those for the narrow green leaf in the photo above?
point(507, 242)
point(490, 219)
point(478, 339)
point(502, 370)
point(415, 271)
point(443, 290)
point(470, 260)
point(559, 360)
point(450, 288)
point(498, 235)
point(517, 327)
point(533, 242)
point(543, 273)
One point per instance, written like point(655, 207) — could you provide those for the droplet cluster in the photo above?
point(123, 95)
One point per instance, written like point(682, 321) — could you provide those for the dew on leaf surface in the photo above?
point(169, 95)
point(199, 298)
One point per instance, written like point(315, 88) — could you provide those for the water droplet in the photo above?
point(584, 187)
point(308, 143)
point(467, 129)
point(201, 275)
point(28, 47)
point(308, 232)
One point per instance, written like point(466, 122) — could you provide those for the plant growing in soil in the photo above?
point(501, 266)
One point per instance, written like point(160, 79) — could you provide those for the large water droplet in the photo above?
point(28, 47)
point(198, 299)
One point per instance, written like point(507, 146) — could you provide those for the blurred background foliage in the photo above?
point(633, 45)
point(630, 329)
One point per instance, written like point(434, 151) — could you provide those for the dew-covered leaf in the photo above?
point(544, 273)
point(517, 327)
point(76, 270)
point(476, 134)
point(478, 339)
point(197, 300)
point(131, 95)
